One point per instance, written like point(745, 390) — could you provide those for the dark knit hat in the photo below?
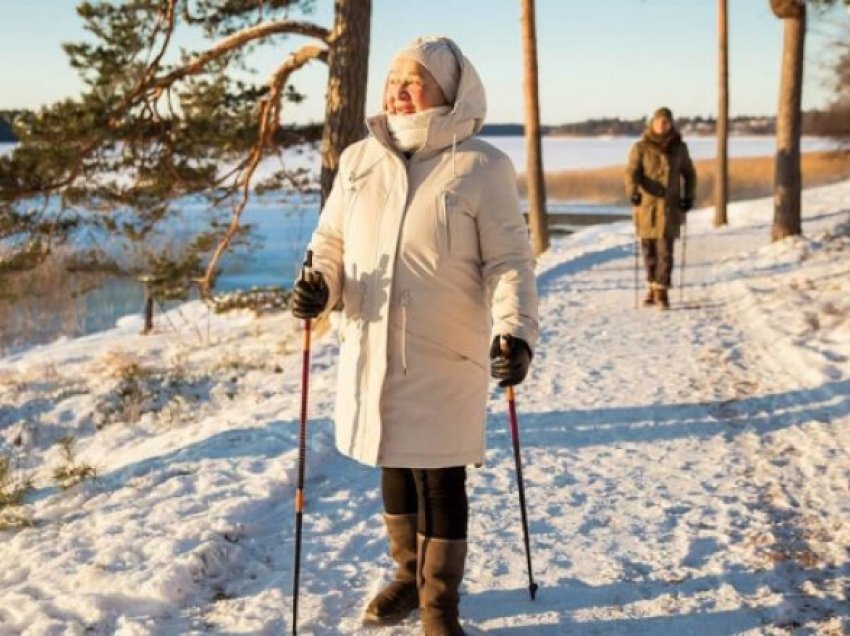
point(663, 112)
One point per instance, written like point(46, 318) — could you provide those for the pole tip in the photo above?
point(532, 590)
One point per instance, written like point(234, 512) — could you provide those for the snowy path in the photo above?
point(679, 476)
point(686, 472)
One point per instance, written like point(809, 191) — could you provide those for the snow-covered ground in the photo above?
point(686, 472)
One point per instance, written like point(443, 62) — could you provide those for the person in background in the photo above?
point(423, 240)
point(660, 182)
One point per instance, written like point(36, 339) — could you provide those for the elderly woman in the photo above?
point(660, 181)
point(423, 241)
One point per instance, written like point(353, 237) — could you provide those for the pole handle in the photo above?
point(307, 265)
point(504, 346)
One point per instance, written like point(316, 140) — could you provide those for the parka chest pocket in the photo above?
point(457, 230)
point(366, 195)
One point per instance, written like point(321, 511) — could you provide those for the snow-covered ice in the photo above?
point(686, 472)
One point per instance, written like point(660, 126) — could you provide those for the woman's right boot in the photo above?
point(398, 599)
point(662, 299)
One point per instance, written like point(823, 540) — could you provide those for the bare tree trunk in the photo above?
point(536, 184)
point(348, 65)
point(788, 180)
point(721, 186)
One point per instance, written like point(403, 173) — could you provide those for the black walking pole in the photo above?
point(684, 261)
point(302, 451)
point(532, 586)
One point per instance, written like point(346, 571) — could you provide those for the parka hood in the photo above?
point(465, 119)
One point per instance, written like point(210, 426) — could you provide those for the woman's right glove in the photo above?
point(509, 362)
point(309, 296)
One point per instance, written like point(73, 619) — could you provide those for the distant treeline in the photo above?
point(827, 123)
point(309, 133)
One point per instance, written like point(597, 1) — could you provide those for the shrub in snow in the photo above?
point(71, 473)
point(13, 489)
point(140, 390)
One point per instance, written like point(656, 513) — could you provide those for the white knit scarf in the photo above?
point(409, 132)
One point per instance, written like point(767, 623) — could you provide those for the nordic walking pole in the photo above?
point(302, 449)
point(637, 283)
point(532, 586)
point(684, 261)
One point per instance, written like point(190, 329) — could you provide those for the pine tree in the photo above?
point(159, 121)
point(721, 192)
point(536, 182)
point(788, 182)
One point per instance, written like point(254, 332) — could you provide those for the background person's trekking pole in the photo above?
point(532, 586)
point(684, 261)
point(637, 279)
point(302, 451)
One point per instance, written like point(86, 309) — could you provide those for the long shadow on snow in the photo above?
point(787, 577)
point(656, 422)
point(581, 263)
point(568, 596)
point(341, 553)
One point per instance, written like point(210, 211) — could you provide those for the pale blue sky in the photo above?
point(602, 58)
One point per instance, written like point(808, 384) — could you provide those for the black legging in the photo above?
point(438, 495)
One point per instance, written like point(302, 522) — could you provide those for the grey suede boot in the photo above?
point(441, 564)
point(393, 603)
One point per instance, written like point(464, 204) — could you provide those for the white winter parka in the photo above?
point(431, 259)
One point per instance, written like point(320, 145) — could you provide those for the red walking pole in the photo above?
point(532, 586)
point(302, 451)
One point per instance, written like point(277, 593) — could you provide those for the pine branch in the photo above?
point(239, 39)
point(268, 125)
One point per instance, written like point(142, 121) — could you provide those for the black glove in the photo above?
point(309, 297)
point(686, 204)
point(636, 198)
point(510, 369)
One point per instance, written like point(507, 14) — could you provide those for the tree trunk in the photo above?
point(721, 186)
point(345, 103)
point(788, 182)
point(534, 166)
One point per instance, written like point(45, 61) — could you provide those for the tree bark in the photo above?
point(534, 163)
point(721, 186)
point(345, 103)
point(788, 180)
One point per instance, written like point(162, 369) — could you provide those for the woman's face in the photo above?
point(661, 125)
point(411, 89)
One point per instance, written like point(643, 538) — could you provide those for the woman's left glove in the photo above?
point(510, 366)
point(686, 204)
point(309, 297)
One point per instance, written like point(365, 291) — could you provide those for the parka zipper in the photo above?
point(405, 301)
point(444, 220)
point(349, 213)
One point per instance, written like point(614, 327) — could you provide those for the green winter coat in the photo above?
point(663, 178)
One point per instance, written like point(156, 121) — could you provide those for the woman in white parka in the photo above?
point(423, 241)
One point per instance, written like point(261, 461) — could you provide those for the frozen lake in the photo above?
point(578, 153)
point(283, 224)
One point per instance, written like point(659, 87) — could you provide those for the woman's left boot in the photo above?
point(441, 565)
point(401, 596)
